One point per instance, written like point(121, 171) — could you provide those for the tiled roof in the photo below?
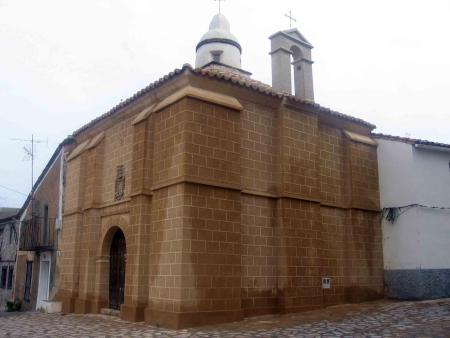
point(132, 98)
point(215, 71)
point(239, 78)
point(225, 74)
point(412, 141)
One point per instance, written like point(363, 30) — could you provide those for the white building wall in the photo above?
point(402, 242)
point(230, 55)
point(432, 173)
point(396, 173)
point(434, 227)
point(397, 188)
point(433, 189)
point(416, 247)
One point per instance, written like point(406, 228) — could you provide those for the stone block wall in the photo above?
point(364, 174)
point(298, 151)
point(118, 151)
point(333, 170)
point(195, 260)
point(226, 212)
point(259, 148)
point(258, 255)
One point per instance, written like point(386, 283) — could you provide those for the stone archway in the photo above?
point(111, 236)
point(117, 265)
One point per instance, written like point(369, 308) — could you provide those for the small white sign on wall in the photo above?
point(326, 282)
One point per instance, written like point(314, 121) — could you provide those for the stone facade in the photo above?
point(235, 203)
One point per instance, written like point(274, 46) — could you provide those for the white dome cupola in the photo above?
point(219, 45)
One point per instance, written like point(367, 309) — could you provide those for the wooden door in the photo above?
point(117, 260)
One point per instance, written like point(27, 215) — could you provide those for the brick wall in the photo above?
point(259, 142)
point(166, 249)
point(212, 224)
point(212, 144)
point(299, 152)
point(118, 149)
point(298, 245)
point(259, 255)
point(333, 173)
point(168, 144)
point(364, 174)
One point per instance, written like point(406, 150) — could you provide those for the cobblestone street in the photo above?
point(375, 319)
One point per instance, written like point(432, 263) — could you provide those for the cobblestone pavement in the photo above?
point(375, 319)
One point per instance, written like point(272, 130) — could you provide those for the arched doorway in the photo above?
point(117, 261)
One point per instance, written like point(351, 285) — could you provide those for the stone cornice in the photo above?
point(201, 94)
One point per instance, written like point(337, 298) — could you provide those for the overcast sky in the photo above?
point(63, 63)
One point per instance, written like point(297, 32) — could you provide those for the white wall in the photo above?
point(420, 238)
point(432, 177)
point(230, 56)
point(396, 173)
point(401, 242)
point(433, 189)
point(434, 238)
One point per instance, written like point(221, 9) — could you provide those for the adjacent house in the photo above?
point(8, 247)
point(40, 224)
point(415, 197)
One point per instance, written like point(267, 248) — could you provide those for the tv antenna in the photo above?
point(30, 154)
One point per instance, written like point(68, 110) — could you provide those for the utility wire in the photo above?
point(18, 192)
point(391, 214)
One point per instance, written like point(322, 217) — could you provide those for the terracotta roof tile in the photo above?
point(228, 74)
point(412, 141)
point(129, 100)
point(237, 77)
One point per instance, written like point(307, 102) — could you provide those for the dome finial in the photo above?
point(219, 45)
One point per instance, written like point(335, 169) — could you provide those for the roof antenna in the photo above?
point(30, 154)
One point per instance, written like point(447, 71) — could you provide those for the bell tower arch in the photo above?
point(289, 49)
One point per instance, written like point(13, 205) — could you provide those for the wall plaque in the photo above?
point(120, 183)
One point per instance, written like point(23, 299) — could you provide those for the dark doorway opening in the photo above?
point(117, 261)
point(27, 289)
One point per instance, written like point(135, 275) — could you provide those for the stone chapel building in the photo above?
point(209, 196)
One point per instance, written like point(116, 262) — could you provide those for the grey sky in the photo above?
point(62, 63)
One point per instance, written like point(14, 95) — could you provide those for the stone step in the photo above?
point(110, 312)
